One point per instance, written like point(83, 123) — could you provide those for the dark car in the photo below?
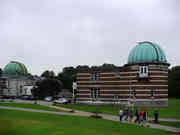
point(27, 97)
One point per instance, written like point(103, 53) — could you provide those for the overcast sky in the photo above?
point(52, 34)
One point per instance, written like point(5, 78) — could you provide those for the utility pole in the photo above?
point(74, 88)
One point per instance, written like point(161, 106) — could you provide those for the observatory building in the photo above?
point(143, 81)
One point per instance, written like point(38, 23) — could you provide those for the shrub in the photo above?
point(96, 116)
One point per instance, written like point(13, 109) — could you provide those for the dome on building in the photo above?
point(147, 52)
point(15, 68)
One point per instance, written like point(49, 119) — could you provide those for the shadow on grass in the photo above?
point(6, 128)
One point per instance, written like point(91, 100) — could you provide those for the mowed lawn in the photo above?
point(30, 106)
point(32, 123)
point(172, 124)
point(172, 111)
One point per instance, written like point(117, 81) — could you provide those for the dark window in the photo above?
point(117, 74)
point(153, 92)
point(95, 76)
point(143, 71)
point(95, 93)
point(134, 92)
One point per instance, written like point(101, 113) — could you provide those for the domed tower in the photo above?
point(148, 64)
point(15, 68)
point(147, 52)
point(15, 75)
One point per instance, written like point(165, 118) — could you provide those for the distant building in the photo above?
point(142, 81)
point(14, 78)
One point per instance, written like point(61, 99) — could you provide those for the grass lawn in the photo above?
point(30, 106)
point(172, 124)
point(172, 111)
point(30, 123)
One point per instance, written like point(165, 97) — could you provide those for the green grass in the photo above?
point(172, 124)
point(172, 111)
point(30, 123)
point(30, 106)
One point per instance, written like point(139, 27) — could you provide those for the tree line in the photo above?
point(64, 80)
point(68, 76)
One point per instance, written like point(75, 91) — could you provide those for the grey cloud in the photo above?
point(47, 34)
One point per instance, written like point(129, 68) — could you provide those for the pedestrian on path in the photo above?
point(137, 114)
point(130, 115)
point(120, 114)
point(156, 116)
point(127, 113)
point(141, 117)
point(145, 116)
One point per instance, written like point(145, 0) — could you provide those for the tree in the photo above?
point(48, 74)
point(1, 72)
point(173, 82)
point(67, 76)
point(47, 87)
point(108, 65)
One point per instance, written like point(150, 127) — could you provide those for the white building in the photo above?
point(15, 80)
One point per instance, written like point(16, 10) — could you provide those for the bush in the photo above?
point(2, 100)
point(35, 102)
point(96, 116)
point(72, 111)
point(54, 104)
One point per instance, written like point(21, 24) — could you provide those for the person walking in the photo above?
point(137, 114)
point(156, 115)
point(120, 114)
point(141, 117)
point(145, 116)
point(130, 115)
point(127, 113)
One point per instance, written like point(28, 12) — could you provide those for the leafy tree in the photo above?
point(47, 87)
point(108, 65)
point(67, 76)
point(48, 74)
point(173, 82)
point(1, 72)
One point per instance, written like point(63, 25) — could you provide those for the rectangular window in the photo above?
point(143, 71)
point(95, 76)
point(117, 74)
point(95, 93)
point(153, 92)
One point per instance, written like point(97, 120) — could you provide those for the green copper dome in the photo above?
point(15, 68)
point(147, 52)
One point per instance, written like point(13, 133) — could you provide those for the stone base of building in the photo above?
point(137, 103)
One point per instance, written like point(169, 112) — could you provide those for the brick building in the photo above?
point(142, 81)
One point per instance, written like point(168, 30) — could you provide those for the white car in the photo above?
point(49, 98)
point(61, 101)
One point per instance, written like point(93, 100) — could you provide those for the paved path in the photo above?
point(82, 113)
point(49, 104)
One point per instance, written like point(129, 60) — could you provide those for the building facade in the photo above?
point(143, 81)
point(13, 80)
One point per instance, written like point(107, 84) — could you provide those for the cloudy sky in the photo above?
point(52, 34)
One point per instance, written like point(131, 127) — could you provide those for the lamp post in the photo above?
point(74, 88)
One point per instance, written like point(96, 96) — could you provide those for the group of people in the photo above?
point(141, 116)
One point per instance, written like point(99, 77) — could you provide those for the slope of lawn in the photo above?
point(30, 123)
point(172, 111)
point(29, 106)
point(172, 124)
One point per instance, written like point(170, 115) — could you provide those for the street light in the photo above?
point(74, 88)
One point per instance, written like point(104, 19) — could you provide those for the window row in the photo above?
point(95, 93)
point(143, 73)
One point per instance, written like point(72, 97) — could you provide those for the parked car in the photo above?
point(48, 99)
point(27, 97)
point(61, 101)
